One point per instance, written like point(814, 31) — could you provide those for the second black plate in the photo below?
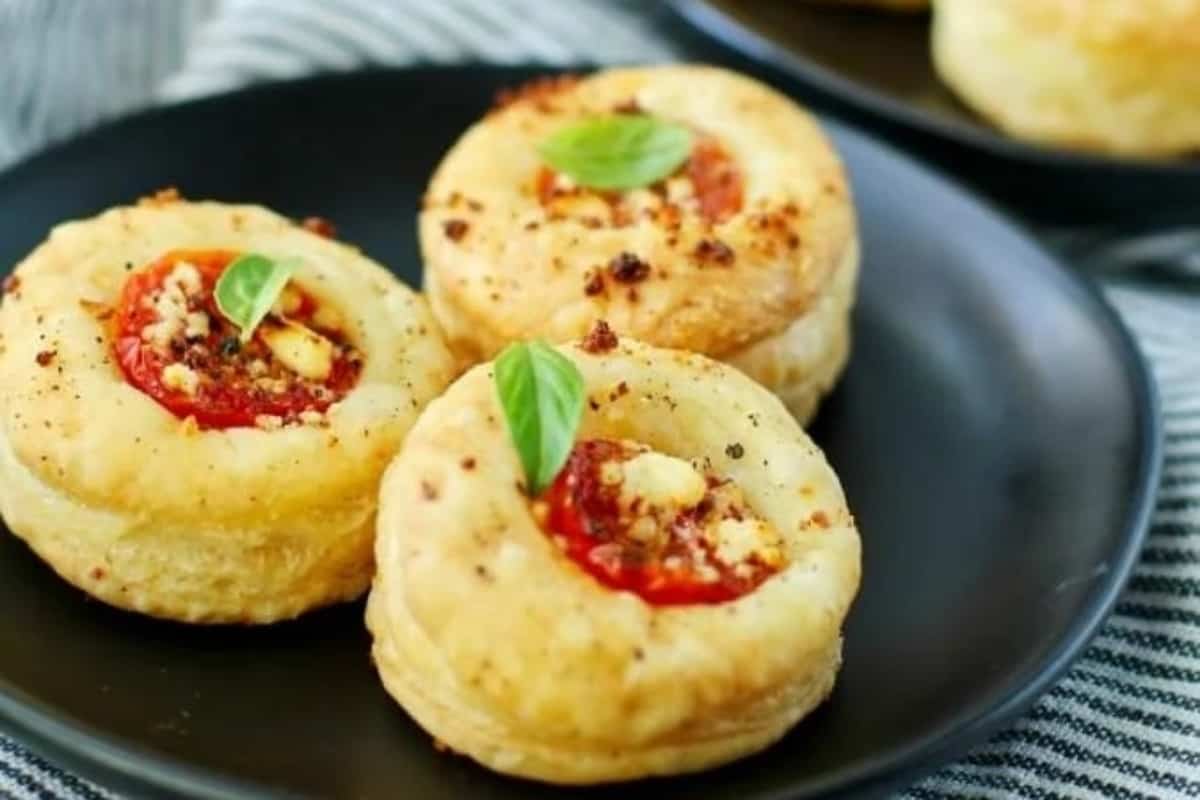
point(876, 68)
point(995, 432)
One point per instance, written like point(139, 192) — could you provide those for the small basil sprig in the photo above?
point(248, 288)
point(541, 392)
point(624, 151)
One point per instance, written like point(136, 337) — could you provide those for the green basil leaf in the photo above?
point(249, 287)
point(541, 392)
point(624, 151)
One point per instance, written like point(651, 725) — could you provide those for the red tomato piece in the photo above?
point(229, 394)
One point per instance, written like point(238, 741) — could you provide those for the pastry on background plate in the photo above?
point(1118, 76)
point(196, 404)
point(605, 561)
point(689, 206)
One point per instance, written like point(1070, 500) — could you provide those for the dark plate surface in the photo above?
point(876, 66)
point(996, 434)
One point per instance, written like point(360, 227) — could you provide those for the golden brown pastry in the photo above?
point(748, 252)
point(1110, 75)
point(164, 466)
point(672, 602)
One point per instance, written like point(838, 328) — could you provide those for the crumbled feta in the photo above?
point(680, 190)
point(736, 540)
point(303, 351)
point(645, 530)
point(180, 378)
point(661, 480)
point(289, 302)
point(171, 307)
point(268, 422)
point(641, 202)
point(327, 318)
point(196, 325)
point(272, 385)
point(159, 335)
point(185, 277)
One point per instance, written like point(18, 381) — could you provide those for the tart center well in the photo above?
point(657, 526)
point(709, 184)
point(173, 344)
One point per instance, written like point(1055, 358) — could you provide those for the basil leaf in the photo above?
point(541, 392)
point(249, 287)
point(625, 151)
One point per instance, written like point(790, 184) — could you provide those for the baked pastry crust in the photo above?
point(505, 650)
point(803, 363)
point(149, 513)
point(499, 267)
point(1105, 75)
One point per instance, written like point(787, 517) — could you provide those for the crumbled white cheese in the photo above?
point(736, 540)
point(641, 202)
point(196, 325)
point(289, 302)
point(272, 385)
point(171, 302)
point(185, 277)
point(646, 530)
point(680, 190)
point(257, 368)
point(171, 307)
point(180, 378)
point(327, 318)
point(268, 422)
point(303, 351)
point(159, 335)
point(661, 480)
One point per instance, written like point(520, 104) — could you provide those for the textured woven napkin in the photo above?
point(1124, 723)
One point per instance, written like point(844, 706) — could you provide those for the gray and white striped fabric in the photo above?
point(1125, 723)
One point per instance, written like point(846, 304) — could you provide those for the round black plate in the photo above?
point(876, 67)
point(996, 434)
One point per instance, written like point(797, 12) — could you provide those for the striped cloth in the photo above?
point(1125, 723)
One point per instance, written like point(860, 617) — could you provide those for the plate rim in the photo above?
point(722, 27)
point(113, 760)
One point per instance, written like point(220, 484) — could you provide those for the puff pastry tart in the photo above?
point(165, 463)
point(1118, 76)
point(744, 248)
point(672, 601)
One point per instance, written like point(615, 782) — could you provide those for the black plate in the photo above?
point(996, 434)
point(876, 67)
